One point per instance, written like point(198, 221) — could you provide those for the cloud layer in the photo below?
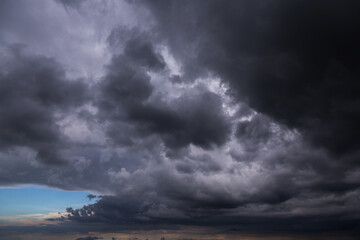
point(239, 115)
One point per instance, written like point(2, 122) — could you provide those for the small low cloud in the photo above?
point(91, 196)
point(89, 238)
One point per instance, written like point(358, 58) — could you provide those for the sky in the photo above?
point(22, 200)
point(179, 120)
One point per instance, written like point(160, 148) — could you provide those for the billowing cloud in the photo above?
point(239, 116)
point(125, 94)
point(293, 61)
point(33, 90)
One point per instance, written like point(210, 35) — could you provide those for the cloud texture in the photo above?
point(232, 115)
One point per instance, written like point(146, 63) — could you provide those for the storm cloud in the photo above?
point(33, 89)
point(293, 61)
point(238, 116)
point(125, 96)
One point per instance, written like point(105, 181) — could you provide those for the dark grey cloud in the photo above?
point(33, 89)
point(72, 4)
point(238, 115)
point(198, 120)
point(294, 61)
point(255, 132)
point(89, 238)
point(293, 193)
point(125, 93)
point(91, 196)
point(142, 53)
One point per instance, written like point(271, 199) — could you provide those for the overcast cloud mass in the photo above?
point(198, 119)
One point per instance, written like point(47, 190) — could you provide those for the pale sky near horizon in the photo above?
point(32, 199)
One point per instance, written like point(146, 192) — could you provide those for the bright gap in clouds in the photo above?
point(33, 199)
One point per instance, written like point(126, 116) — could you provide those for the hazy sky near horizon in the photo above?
point(184, 119)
